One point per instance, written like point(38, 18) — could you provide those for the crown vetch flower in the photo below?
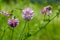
point(13, 22)
point(47, 10)
point(27, 14)
point(5, 13)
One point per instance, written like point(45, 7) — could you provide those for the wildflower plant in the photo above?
point(42, 27)
point(4, 21)
point(27, 16)
point(47, 11)
point(13, 22)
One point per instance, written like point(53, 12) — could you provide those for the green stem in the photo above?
point(28, 27)
point(22, 31)
point(12, 34)
point(28, 31)
point(49, 17)
point(42, 27)
point(44, 16)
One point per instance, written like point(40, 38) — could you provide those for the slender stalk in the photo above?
point(28, 27)
point(42, 27)
point(28, 31)
point(12, 34)
point(44, 16)
point(49, 17)
point(22, 31)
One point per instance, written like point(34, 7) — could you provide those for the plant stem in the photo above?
point(28, 31)
point(12, 34)
point(49, 17)
point(28, 27)
point(22, 31)
point(42, 27)
point(44, 16)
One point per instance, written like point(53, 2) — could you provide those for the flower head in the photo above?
point(13, 22)
point(27, 14)
point(47, 10)
point(5, 13)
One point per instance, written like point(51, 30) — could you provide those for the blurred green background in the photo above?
point(52, 30)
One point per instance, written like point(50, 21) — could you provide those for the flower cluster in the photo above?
point(13, 22)
point(4, 13)
point(27, 14)
point(47, 10)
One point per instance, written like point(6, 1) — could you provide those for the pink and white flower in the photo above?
point(5, 13)
point(27, 14)
point(47, 10)
point(13, 22)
